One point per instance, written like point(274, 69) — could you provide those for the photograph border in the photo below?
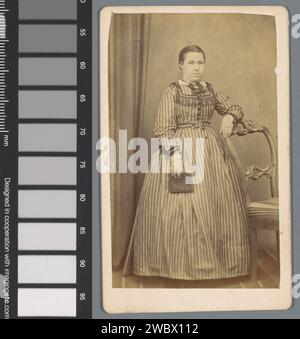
point(116, 300)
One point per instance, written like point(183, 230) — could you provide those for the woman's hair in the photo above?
point(188, 49)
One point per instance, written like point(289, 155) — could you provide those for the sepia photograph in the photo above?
point(194, 158)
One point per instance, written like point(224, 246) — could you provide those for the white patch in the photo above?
point(2, 27)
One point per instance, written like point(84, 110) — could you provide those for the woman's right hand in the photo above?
point(176, 165)
point(176, 175)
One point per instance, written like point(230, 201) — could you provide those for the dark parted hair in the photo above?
point(188, 49)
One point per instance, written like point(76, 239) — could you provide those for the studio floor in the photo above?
point(268, 277)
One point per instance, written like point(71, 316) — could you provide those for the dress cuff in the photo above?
point(236, 112)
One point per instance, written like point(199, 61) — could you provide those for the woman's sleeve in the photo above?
point(224, 106)
point(165, 124)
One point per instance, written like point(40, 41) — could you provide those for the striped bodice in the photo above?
point(192, 105)
point(182, 104)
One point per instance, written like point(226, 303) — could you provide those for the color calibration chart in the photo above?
point(46, 158)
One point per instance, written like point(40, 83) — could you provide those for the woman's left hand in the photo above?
point(227, 126)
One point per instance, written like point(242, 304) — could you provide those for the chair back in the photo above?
point(255, 172)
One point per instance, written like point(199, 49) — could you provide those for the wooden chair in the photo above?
point(262, 215)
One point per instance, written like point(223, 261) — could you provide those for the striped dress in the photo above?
point(202, 234)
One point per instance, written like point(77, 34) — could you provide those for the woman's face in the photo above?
point(193, 66)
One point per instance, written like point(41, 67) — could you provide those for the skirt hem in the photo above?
point(212, 277)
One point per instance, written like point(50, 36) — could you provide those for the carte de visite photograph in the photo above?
point(194, 158)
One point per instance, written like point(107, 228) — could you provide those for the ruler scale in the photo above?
point(3, 70)
point(46, 125)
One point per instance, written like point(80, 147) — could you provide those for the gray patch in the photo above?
point(45, 10)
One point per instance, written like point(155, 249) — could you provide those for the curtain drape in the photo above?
point(128, 60)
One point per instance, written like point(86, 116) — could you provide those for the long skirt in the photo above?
point(199, 235)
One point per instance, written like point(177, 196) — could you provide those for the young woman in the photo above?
point(201, 234)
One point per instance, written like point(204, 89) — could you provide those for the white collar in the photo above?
point(184, 82)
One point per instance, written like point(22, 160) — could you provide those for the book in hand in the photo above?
point(178, 184)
